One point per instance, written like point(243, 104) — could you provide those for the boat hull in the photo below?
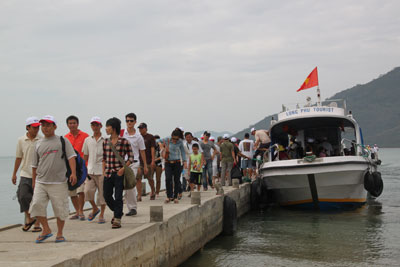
point(336, 182)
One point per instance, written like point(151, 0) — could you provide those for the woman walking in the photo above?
point(174, 154)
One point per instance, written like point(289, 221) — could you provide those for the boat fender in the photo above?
point(373, 183)
point(255, 194)
point(230, 216)
point(378, 184)
point(368, 181)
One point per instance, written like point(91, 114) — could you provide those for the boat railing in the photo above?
point(365, 152)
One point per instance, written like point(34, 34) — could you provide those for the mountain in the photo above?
point(375, 106)
point(213, 133)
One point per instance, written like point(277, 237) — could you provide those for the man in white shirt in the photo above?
point(246, 147)
point(25, 147)
point(138, 148)
point(93, 155)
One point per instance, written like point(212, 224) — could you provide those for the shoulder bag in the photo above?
point(129, 175)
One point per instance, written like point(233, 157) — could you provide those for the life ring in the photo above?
point(230, 216)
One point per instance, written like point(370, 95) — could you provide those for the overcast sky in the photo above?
point(216, 65)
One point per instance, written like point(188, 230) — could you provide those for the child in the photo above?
point(196, 161)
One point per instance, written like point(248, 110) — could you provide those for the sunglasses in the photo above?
point(130, 120)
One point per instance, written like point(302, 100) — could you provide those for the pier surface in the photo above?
point(184, 230)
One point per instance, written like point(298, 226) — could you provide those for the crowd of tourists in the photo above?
point(189, 163)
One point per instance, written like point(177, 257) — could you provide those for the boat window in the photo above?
point(322, 137)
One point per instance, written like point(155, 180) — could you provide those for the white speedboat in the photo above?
point(317, 159)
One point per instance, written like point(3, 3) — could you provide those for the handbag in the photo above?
point(129, 175)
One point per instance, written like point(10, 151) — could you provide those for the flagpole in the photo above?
point(319, 95)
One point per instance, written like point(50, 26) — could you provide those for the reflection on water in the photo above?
point(368, 236)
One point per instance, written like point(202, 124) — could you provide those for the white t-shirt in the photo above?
point(137, 143)
point(246, 147)
point(215, 160)
point(94, 149)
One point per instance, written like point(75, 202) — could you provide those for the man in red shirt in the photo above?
point(76, 137)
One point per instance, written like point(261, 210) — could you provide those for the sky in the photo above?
point(202, 65)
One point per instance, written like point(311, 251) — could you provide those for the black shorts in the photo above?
point(195, 178)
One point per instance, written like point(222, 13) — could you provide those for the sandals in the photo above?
point(167, 201)
point(139, 199)
point(60, 239)
point(101, 221)
point(153, 197)
point(36, 229)
point(28, 226)
point(82, 217)
point(176, 201)
point(92, 216)
point(75, 217)
point(42, 238)
point(116, 223)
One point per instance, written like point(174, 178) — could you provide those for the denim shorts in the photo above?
point(246, 164)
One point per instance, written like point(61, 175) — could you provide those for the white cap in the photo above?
point(233, 139)
point(252, 129)
point(96, 119)
point(33, 121)
point(226, 136)
point(181, 128)
point(212, 138)
point(49, 118)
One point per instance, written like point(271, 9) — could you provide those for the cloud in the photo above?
point(218, 65)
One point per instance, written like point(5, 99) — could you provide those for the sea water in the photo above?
point(368, 236)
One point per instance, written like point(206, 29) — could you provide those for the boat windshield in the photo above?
point(319, 136)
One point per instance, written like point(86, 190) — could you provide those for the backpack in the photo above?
point(81, 170)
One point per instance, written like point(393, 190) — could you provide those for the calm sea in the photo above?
point(369, 236)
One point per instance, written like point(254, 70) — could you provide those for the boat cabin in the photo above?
point(322, 131)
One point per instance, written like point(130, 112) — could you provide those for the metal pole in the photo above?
point(319, 96)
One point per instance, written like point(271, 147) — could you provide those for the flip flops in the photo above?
point(60, 239)
point(75, 217)
point(37, 229)
point(42, 238)
point(28, 226)
point(82, 217)
point(93, 215)
point(101, 221)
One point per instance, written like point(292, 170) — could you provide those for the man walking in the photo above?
point(138, 148)
point(150, 144)
point(25, 147)
point(49, 179)
point(206, 146)
point(227, 160)
point(76, 138)
point(93, 155)
point(113, 169)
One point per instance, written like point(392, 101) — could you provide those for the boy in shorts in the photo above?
point(196, 162)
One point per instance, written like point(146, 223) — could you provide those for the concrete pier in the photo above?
point(185, 229)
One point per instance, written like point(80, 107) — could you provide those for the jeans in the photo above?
point(172, 179)
point(208, 169)
point(114, 184)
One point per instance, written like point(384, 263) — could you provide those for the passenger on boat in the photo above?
point(282, 153)
point(322, 152)
point(327, 146)
point(294, 149)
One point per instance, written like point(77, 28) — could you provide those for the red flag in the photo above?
point(311, 80)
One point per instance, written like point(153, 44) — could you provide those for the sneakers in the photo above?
point(131, 212)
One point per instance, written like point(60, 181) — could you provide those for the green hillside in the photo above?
point(375, 106)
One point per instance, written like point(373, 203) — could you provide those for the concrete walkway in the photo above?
point(18, 248)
